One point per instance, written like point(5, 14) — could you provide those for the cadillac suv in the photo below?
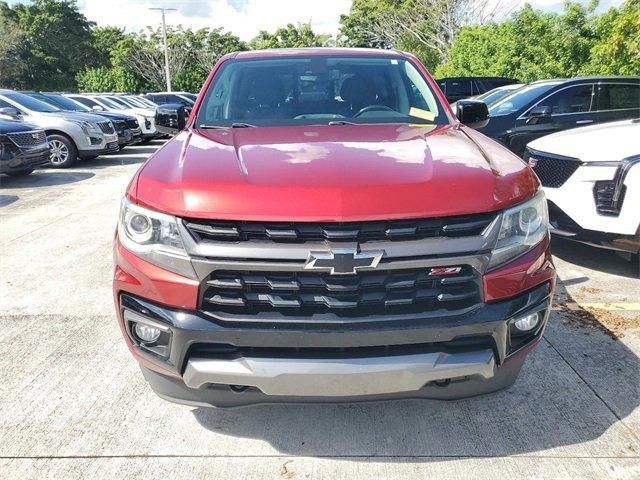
point(324, 229)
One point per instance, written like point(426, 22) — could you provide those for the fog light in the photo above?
point(146, 333)
point(527, 323)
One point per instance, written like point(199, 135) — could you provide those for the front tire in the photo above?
point(63, 152)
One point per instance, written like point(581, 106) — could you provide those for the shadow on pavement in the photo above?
point(7, 200)
point(599, 259)
point(551, 405)
point(45, 178)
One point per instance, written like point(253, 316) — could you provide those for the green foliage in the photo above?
point(617, 48)
point(532, 45)
point(57, 41)
point(357, 27)
point(290, 36)
point(12, 68)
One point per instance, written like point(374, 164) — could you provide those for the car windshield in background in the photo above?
point(495, 94)
point(518, 99)
point(319, 90)
point(63, 102)
point(112, 104)
point(31, 103)
point(117, 102)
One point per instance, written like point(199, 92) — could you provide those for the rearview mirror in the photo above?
point(10, 112)
point(472, 113)
point(97, 108)
point(171, 118)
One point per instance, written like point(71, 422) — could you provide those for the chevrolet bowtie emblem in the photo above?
point(343, 261)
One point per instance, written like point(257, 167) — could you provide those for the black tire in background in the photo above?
point(63, 151)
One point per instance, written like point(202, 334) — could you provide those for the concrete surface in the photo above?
point(73, 403)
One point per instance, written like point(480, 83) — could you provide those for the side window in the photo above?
point(618, 97)
point(4, 104)
point(570, 100)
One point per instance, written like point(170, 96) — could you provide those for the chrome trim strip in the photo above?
point(337, 377)
point(247, 252)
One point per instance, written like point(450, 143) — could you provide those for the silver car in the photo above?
point(71, 135)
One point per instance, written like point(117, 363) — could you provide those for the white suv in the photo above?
point(591, 177)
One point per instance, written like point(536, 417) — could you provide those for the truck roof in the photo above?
point(317, 51)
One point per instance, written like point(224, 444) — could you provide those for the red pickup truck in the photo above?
point(323, 228)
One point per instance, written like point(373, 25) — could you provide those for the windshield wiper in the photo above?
point(341, 122)
point(233, 125)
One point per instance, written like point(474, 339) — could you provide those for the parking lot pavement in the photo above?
point(74, 405)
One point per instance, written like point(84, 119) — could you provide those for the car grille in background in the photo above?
point(553, 171)
point(29, 139)
point(304, 294)
point(132, 123)
point(120, 125)
point(106, 127)
point(300, 232)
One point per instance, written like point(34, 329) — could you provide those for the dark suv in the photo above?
point(457, 88)
point(23, 147)
point(548, 106)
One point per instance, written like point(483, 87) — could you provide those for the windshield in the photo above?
point(518, 99)
point(119, 103)
point(134, 102)
point(319, 90)
point(496, 94)
point(112, 104)
point(30, 103)
point(64, 102)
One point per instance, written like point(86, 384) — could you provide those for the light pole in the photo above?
point(166, 48)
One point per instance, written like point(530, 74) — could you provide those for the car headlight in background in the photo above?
point(522, 228)
point(87, 127)
point(155, 237)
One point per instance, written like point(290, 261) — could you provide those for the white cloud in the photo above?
point(244, 17)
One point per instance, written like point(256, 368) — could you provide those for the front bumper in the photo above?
point(94, 146)
point(563, 226)
point(25, 160)
point(214, 362)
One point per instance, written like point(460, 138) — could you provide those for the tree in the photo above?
point(57, 42)
point(617, 48)
point(358, 28)
point(290, 36)
point(530, 45)
point(12, 68)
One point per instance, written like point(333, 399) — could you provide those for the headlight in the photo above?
point(153, 236)
point(87, 127)
point(523, 227)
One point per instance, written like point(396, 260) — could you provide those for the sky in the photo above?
point(244, 18)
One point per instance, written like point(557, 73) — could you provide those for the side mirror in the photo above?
point(171, 118)
point(472, 113)
point(10, 112)
point(97, 108)
point(537, 113)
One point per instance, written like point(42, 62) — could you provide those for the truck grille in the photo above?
point(300, 232)
point(303, 294)
point(552, 170)
point(30, 139)
point(106, 127)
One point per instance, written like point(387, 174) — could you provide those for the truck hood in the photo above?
point(596, 143)
point(332, 173)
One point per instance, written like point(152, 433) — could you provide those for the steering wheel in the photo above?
point(373, 108)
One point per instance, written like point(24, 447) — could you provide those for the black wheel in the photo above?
point(20, 173)
point(63, 152)
point(146, 140)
